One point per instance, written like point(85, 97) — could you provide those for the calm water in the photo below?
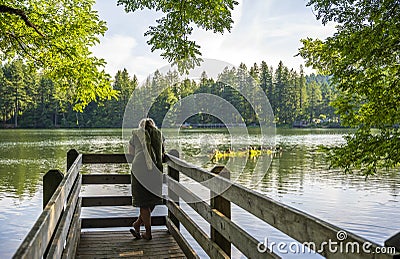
point(298, 177)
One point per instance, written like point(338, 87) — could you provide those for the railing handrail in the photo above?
point(227, 228)
point(39, 237)
point(299, 225)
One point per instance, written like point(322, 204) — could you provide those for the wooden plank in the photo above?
point(297, 224)
point(174, 174)
point(118, 222)
point(106, 158)
point(228, 229)
point(131, 253)
point(90, 246)
point(72, 155)
point(51, 180)
point(106, 201)
point(57, 245)
point(182, 242)
point(117, 244)
point(212, 249)
point(224, 207)
point(39, 236)
point(394, 241)
point(105, 240)
point(195, 172)
point(74, 233)
point(106, 179)
point(105, 252)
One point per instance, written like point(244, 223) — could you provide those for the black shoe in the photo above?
point(135, 234)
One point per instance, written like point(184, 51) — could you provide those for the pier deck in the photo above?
point(120, 244)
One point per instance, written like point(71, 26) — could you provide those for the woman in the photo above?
point(146, 145)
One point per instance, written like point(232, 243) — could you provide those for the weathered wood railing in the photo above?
point(56, 233)
point(302, 227)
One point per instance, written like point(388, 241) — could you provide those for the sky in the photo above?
point(263, 30)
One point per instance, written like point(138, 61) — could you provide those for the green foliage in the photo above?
point(381, 151)
point(363, 58)
point(55, 36)
point(171, 35)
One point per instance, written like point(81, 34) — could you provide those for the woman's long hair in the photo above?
point(147, 124)
point(152, 137)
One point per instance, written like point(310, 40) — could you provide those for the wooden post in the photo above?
point(71, 156)
point(174, 174)
point(51, 180)
point(224, 206)
point(394, 241)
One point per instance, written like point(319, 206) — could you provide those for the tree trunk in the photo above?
point(16, 107)
point(16, 114)
point(55, 116)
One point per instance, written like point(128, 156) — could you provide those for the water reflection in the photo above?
point(25, 155)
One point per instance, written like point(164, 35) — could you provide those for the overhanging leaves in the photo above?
point(364, 58)
point(171, 35)
point(55, 36)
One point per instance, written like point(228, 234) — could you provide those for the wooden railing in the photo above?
point(56, 233)
point(304, 228)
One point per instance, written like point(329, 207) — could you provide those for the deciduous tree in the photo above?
point(363, 57)
point(55, 36)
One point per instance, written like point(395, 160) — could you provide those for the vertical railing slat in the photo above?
point(174, 174)
point(224, 206)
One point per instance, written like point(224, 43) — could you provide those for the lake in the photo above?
point(298, 177)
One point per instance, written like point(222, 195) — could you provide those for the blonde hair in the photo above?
point(147, 122)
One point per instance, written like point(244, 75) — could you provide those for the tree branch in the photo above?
point(23, 46)
point(22, 14)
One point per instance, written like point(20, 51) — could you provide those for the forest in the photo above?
point(29, 99)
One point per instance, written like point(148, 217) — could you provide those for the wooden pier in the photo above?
point(62, 232)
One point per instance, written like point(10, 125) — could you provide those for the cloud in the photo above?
point(266, 31)
point(145, 65)
point(116, 50)
point(262, 30)
point(237, 12)
point(121, 52)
